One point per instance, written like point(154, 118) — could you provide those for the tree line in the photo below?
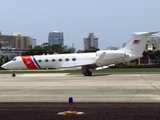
point(45, 49)
point(4, 59)
point(153, 55)
point(56, 48)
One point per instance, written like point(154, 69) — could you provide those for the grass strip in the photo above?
point(78, 71)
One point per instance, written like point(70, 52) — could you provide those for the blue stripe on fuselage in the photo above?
point(36, 62)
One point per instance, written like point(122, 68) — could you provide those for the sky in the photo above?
point(112, 21)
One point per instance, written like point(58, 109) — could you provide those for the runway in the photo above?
point(101, 96)
point(99, 87)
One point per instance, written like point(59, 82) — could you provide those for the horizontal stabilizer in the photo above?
point(147, 33)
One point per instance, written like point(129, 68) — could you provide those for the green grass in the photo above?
point(78, 71)
point(125, 71)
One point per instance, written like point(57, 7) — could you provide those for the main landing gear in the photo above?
point(14, 74)
point(86, 71)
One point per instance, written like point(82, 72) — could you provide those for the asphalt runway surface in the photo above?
point(101, 96)
point(91, 111)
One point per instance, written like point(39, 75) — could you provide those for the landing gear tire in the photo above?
point(13, 75)
point(88, 73)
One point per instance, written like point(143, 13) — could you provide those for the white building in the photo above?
point(153, 43)
point(33, 41)
point(90, 41)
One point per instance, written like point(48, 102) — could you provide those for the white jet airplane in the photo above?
point(98, 60)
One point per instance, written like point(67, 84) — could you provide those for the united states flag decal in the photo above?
point(136, 41)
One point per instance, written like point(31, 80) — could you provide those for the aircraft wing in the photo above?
point(100, 59)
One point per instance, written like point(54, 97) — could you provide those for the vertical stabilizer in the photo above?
point(137, 43)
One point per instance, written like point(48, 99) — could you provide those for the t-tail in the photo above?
point(137, 43)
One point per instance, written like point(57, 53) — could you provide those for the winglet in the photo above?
point(100, 59)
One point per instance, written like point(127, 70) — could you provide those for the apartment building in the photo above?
point(55, 37)
point(90, 41)
point(15, 42)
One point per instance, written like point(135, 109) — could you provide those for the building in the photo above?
point(55, 37)
point(90, 41)
point(153, 43)
point(15, 43)
point(33, 41)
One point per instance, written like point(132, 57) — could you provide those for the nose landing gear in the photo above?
point(14, 74)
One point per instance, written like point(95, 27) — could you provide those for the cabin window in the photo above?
point(74, 59)
point(39, 60)
point(67, 59)
point(60, 60)
point(46, 60)
point(53, 60)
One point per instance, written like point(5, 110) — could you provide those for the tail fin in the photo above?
point(137, 43)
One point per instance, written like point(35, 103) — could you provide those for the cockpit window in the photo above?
point(14, 59)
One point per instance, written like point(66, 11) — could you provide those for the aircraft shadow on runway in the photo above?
point(93, 75)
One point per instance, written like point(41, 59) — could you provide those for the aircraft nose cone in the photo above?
point(5, 66)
